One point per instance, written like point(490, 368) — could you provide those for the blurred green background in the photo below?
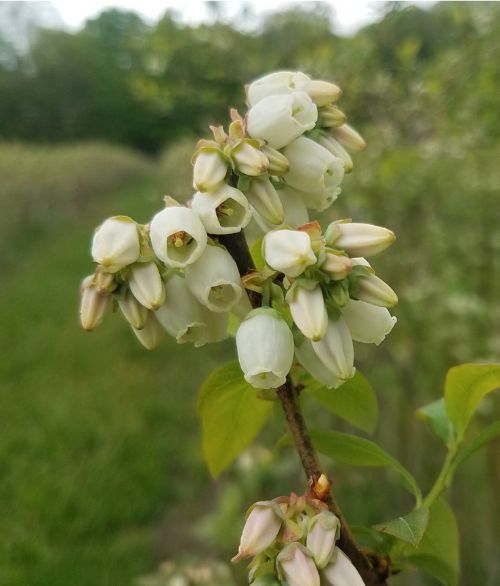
point(101, 474)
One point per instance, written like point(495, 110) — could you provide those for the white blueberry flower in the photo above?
point(280, 119)
point(214, 279)
point(337, 150)
point(288, 251)
point(210, 169)
point(93, 305)
point(308, 358)
point(367, 323)
point(151, 334)
point(178, 236)
point(337, 266)
point(134, 312)
point(296, 566)
point(359, 239)
point(341, 571)
point(307, 307)
point(349, 138)
point(264, 198)
point(261, 529)
point(265, 349)
point(224, 211)
point(322, 534)
point(278, 83)
point(336, 350)
point(116, 243)
point(249, 159)
point(146, 284)
point(294, 206)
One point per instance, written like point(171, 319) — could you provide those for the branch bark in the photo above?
point(375, 573)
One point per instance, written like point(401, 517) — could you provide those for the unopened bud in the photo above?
point(263, 197)
point(261, 529)
point(249, 159)
point(146, 284)
point(349, 138)
point(323, 92)
point(209, 170)
point(374, 290)
point(104, 282)
point(359, 239)
point(297, 567)
point(331, 116)
point(278, 163)
point(341, 571)
point(337, 266)
point(337, 150)
point(308, 310)
point(151, 334)
point(116, 243)
point(93, 305)
point(135, 313)
point(323, 533)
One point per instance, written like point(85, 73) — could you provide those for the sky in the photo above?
point(349, 14)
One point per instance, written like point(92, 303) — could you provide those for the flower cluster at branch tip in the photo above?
point(292, 540)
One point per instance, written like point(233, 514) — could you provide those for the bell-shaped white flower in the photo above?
point(337, 150)
point(307, 307)
point(280, 82)
point(359, 239)
point(249, 159)
point(93, 305)
point(224, 211)
point(367, 323)
point(134, 312)
point(116, 243)
point(209, 170)
point(261, 529)
point(280, 119)
point(321, 537)
point(349, 138)
point(296, 566)
point(341, 571)
point(337, 266)
point(265, 349)
point(296, 213)
point(264, 198)
point(308, 358)
point(278, 163)
point(151, 334)
point(322, 92)
point(178, 236)
point(146, 284)
point(313, 169)
point(214, 279)
point(288, 251)
point(336, 350)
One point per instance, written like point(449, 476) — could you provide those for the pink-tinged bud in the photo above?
point(278, 163)
point(146, 284)
point(372, 289)
point(225, 211)
point(249, 159)
point(116, 243)
point(323, 92)
point(135, 313)
point(261, 529)
point(93, 305)
point(359, 239)
point(296, 566)
point(151, 334)
point(336, 350)
point(341, 571)
point(331, 116)
point(210, 168)
point(308, 310)
point(264, 198)
point(337, 150)
point(323, 533)
point(337, 266)
point(349, 138)
point(288, 251)
point(367, 323)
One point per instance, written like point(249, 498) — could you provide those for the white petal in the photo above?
point(367, 323)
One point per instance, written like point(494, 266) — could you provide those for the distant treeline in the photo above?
point(125, 81)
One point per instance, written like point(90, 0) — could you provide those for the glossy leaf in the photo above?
point(410, 528)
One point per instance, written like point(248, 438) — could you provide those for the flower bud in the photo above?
point(341, 571)
point(336, 266)
point(261, 529)
point(308, 358)
point(336, 351)
point(265, 349)
point(225, 211)
point(337, 150)
point(178, 236)
point(93, 305)
point(266, 201)
point(280, 82)
point(116, 243)
point(209, 170)
point(308, 310)
point(288, 251)
point(249, 159)
point(151, 334)
point(297, 567)
point(281, 119)
point(359, 239)
point(330, 116)
point(375, 291)
point(323, 533)
point(104, 282)
point(294, 206)
point(135, 313)
point(367, 323)
point(214, 279)
point(146, 284)
point(349, 138)
point(278, 163)
point(323, 92)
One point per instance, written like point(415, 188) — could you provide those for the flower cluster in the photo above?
point(293, 541)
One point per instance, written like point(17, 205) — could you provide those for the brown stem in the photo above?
point(374, 574)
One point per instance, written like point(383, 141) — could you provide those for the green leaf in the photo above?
point(231, 416)
point(257, 256)
point(436, 416)
point(466, 385)
point(356, 451)
point(355, 401)
point(488, 434)
point(410, 528)
point(438, 552)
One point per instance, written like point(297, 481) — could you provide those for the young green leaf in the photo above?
point(466, 385)
point(356, 451)
point(355, 401)
point(438, 552)
point(486, 435)
point(410, 528)
point(231, 416)
point(436, 416)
